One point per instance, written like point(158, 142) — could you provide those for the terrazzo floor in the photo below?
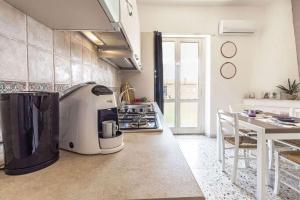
point(201, 155)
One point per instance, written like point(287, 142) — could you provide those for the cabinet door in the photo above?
point(131, 26)
point(112, 9)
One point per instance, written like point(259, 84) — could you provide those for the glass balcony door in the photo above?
point(183, 83)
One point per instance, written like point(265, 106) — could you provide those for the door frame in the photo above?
point(201, 84)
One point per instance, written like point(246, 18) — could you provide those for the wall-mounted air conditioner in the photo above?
point(237, 27)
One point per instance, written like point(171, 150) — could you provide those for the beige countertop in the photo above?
point(151, 166)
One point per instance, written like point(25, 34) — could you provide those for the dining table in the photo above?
point(267, 130)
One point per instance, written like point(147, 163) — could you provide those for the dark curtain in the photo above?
point(158, 72)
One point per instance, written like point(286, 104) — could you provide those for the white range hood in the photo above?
point(112, 25)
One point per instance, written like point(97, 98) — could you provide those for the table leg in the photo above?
point(261, 165)
point(218, 139)
point(270, 150)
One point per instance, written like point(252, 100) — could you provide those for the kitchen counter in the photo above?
point(151, 166)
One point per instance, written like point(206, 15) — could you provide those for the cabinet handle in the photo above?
point(129, 8)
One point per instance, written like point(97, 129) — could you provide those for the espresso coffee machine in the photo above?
point(83, 109)
point(30, 128)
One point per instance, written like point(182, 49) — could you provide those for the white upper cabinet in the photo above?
point(124, 13)
point(131, 26)
point(112, 9)
point(66, 14)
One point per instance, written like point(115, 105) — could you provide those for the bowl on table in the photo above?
point(253, 113)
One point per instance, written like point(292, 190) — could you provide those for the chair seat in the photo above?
point(245, 130)
point(291, 155)
point(244, 142)
point(248, 132)
point(295, 143)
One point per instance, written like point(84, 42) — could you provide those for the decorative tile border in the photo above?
point(15, 86)
point(40, 87)
point(61, 87)
point(12, 86)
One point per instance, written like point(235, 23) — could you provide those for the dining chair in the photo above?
point(294, 112)
point(229, 132)
point(292, 157)
point(239, 108)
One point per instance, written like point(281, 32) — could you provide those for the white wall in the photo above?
point(191, 19)
point(143, 82)
point(276, 58)
point(204, 20)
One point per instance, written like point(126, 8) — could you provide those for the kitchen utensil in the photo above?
point(129, 95)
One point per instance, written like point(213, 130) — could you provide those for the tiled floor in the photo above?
point(200, 153)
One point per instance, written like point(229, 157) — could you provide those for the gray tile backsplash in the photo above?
point(62, 43)
point(40, 65)
point(77, 73)
point(37, 58)
point(12, 22)
point(39, 35)
point(87, 72)
point(13, 60)
point(88, 45)
point(76, 50)
point(86, 56)
point(62, 70)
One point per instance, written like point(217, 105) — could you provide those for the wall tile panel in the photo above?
point(76, 51)
point(40, 65)
point(12, 22)
point(62, 42)
point(13, 60)
point(39, 35)
point(77, 36)
point(67, 57)
point(86, 56)
point(62, 70)
point(87, 73)
point(77, 73)
point(87, 44)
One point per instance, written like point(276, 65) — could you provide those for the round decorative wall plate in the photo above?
point(228, 70)
point(228, 49)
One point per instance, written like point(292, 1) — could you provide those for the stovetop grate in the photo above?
point(135, 120)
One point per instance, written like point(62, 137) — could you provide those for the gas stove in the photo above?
point(138, 118)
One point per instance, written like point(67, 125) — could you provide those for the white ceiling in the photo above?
point(206, 2)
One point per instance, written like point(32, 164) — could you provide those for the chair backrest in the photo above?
point(295, 112)
point(228, 124)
